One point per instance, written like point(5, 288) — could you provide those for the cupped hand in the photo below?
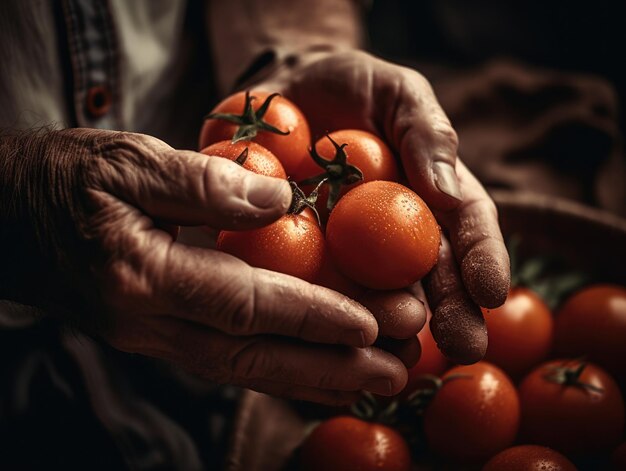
point(204, 310)
point(352, 89)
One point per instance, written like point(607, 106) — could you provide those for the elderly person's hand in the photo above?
point(89, 208)
point(339, 89)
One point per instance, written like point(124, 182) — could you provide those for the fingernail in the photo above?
point(354, 338)
point(446, 180)
point(266, 192)
point(379, 386)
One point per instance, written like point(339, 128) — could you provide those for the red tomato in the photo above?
point(363, 150)
point(293, 245)
point(284, 115)
point(472, 418)
point(592, 323)
point(560, 412)
point(383, 236)
point(520, 332)
point(529, 458)
point(346, 443)
point(255, 158)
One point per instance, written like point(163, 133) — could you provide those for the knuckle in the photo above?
point(242, 319)
point(235, 306)
point(417, 80)
point(137, 144)
point(115, 281)
point(253, 361)
point(260, 359)
point(417, 90)
point(224, 186)
point(123, 287)
point(204, 358)
point(126, 160)
point(327, 380)
point(224, 298)
point(490, 208)
point(222, 179)
point(446, 133)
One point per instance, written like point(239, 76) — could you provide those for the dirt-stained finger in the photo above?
point(477, 243)
point(457, 324)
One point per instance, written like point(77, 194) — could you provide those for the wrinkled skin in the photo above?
point(529, 458)
point(352, 89)
point(211, 313)
point(203, 310)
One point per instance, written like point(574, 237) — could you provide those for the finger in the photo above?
point(417, 290)
point(408, 351)
point(244, 360)
point(478, 244)
point(256, 301)
point(457, 323)
point(154, 275)
point(376, 95)
point(189, 188)
point(331, 368)
point(428, 145)
point(400, 314)
point(171, 229)
point(303, 393)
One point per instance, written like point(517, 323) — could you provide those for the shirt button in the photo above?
point(98, 101)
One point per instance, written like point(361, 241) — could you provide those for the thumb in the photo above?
point(189, 188)
point(427, 144)
point(234, 198)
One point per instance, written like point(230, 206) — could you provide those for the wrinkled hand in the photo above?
point(201, 309)
point(352, 89)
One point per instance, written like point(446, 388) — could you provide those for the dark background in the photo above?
point(577, 36)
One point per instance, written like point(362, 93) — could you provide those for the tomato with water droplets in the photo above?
point(347, 443)
point(347, 158)
point(250, 156)
point(571, 406)
point(592, 323)
point(293, 245)
point(529, 458)
point(520, 332)
point(281, 114)
point(473, 415)
point(383, 236)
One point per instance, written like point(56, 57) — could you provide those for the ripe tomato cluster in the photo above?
point(548, 393)
point(547, 397)
point(358, 227)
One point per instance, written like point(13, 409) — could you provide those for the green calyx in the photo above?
point(250, 122)
point(546, 274)
point(421, 398)
point(337, 172)
point(369, 409)
point(300, 201)
point(569, 375)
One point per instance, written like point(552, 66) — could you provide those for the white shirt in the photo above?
point(52, 55)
